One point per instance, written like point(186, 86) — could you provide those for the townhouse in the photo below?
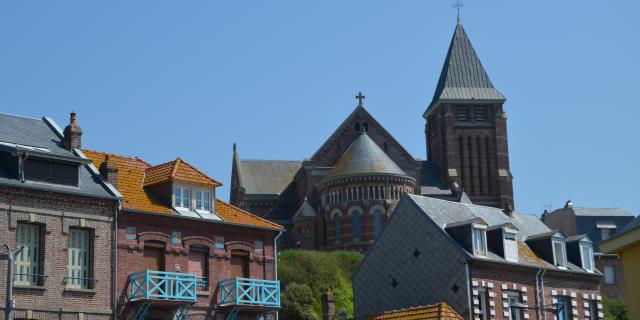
point(56, 216)
point(182, 253)
point(484, 262)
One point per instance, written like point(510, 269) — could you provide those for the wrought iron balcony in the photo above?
point(151, 284)
point(252, 292)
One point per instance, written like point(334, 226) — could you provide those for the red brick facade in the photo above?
point(55, 214)
point(500, 280)
point(159, 229)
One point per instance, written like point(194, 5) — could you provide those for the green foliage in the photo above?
point(297, 300)
point(319, 271)
point(615, 309)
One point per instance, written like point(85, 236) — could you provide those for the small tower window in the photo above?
point(366, 127)
point(480, 114)
point(358, 128)
point(355, 224)
point(463, 113)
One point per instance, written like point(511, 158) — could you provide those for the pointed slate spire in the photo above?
point(463, 77)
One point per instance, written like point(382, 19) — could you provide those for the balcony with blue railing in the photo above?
point(249, 292)
point(161, 285)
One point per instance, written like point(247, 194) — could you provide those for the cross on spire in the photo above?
point(458, 4)
point(360, 97)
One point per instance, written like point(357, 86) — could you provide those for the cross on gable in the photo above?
point(360, 97)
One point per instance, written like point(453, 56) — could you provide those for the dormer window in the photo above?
point(606, 229)
point(203, 200)
point(510, 246)
point(479, 241)
point(182, 197)
point(559, 254)
point(586, 251)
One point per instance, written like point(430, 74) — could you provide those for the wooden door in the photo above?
point(154, 257)
point(239, 264)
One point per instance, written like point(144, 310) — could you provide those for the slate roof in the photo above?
point(176, 170)
point(305, 211)
point(431, 179)
point(463, 77)
point(31, 132)
point(266, 176)
point(364, 156)
point(444, 213)
point(131, 177)
point(604, 212)
point(440, 311)
point(23, 133)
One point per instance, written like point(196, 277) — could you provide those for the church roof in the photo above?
point(305, 211)
point(267, 176)
point(463, 77)
point(364, 157)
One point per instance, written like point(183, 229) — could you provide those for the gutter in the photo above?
point(275, 259)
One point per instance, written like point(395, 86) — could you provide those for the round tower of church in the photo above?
point(359, 194)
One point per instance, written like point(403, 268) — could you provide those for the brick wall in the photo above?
point(56, 213)
point(159, 228)
point(499, 280)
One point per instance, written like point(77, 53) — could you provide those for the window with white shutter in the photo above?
point(27, 262)
point(78, 262)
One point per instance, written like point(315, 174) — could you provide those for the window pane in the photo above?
point(587, 256)
point(377, 221)
point(207, 201)
point(199, 199)
point(606, 233)
point(559, 254)
point(186, 198)
point(355, 222)
point(27, 261)
point(609, 275)
point(78, 262)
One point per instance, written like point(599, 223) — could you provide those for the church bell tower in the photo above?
point(466, 128)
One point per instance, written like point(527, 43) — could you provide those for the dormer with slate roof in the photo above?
point(466, 127)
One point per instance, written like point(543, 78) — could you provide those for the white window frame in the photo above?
point(178, 195)
point(201, 206)
point(555, 256)
point(586, 256)
point(79, 261)
point(482, 231)
point(513, 233)
point(27, 262)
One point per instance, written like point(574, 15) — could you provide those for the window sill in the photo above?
point(28, 287)
point(202, 293)
point(79, 290)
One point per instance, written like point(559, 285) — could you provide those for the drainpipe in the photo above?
point(9, 302)
point(469, 305)
point(275, 259)
point(115, 262)
point(544, 315)
point(538, 305)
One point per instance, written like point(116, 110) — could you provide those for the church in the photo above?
point(341, 197)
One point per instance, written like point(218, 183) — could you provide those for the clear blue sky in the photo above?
point(161, 79)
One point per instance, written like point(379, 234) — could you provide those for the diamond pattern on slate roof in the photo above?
point(363, 157)
point(463, 77)
point(178, 170)
point(131, 178)
point(440, 311)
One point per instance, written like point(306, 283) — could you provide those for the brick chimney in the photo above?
point(328, 305)
point(72, 134)
point(109, 171)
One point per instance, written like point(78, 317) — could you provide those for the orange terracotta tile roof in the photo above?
point(131, 184)
point(440, 311)
point(178, 170)
point(234, 214)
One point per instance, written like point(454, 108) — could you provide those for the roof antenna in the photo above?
point(458, 4)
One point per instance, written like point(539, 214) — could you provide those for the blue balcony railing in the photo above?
point(151, 284)
point(243, 291)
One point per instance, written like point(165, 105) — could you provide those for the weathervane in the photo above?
point(458, 4)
